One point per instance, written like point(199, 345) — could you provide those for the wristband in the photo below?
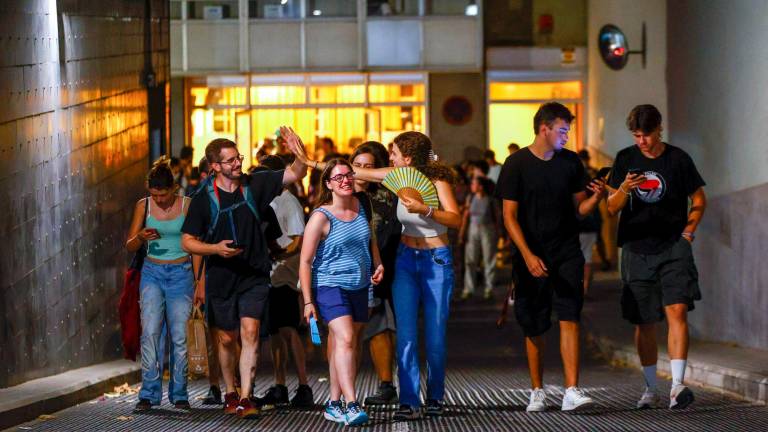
point(307, 303)
point(621, 188)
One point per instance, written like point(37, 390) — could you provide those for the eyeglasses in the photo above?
point(338, 178)
point(231, 161)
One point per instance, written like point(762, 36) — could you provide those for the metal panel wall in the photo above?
point(73, 153)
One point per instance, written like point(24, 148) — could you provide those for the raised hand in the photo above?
point(294, 143)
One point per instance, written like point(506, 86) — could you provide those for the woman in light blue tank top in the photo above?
point(424, 276)
point(166, 286)
point(339, 264)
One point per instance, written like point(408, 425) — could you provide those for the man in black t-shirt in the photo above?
point(543, 188)
point(650, 185)
point(238, 263)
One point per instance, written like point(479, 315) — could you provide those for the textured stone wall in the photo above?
point(73, 153)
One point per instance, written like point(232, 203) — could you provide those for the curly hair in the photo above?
point(418, 147)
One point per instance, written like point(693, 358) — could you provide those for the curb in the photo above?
point(741, 384)
point(31, 399)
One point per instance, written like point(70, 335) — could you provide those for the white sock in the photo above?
point(678, 371)
point(649, 372)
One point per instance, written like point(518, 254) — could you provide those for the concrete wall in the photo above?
point(450, 141)
point(612, 94)
point(717, 112)
point(570, 18)
point(73, 153)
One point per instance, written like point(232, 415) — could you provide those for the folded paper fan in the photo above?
point(411, 183)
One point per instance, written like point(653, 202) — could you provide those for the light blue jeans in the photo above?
point(422, 277)
point(166, 297)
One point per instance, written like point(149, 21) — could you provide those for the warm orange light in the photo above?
point(536, 90)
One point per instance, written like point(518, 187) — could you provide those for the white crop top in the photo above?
point(417, 225)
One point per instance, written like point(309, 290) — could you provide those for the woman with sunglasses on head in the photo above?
point(336, 270)
point(423, 270)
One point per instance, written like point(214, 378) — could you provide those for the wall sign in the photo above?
point(457, 110)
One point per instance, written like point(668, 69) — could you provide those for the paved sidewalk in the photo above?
point(738, 371)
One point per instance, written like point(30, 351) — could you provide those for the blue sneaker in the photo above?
point(355, 414)
point(334, 412)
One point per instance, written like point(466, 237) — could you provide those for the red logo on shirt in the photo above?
point(652, 189)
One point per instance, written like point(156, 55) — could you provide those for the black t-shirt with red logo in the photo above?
point(657, 211)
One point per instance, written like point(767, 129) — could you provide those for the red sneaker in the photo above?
point(247, 409)
point(230, 403)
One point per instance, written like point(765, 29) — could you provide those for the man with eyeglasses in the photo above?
point(238, 266)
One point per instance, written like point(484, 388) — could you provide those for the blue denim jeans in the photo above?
point(422, 277)
point(166, 299)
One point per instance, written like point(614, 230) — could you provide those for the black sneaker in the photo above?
point(182, 405)
point(405, 413)
point(276, 396)
point(214, 396)
point(434, 408)
point(303, 398)
point(387, 395)
point(143, 405)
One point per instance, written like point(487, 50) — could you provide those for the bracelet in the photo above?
point(621, 188)
point(430, 211)
point(315, 164)
point(307, 303)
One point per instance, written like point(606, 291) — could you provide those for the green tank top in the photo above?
point(168, 246)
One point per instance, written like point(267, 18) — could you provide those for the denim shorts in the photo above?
point(334, 302)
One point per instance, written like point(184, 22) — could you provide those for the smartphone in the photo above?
point(603, 172)
point(314, 331)
point(234, 245)
point(154, 231)
point(636, 171)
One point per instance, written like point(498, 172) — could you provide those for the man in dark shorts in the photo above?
point(238, 263)
point(543, 188)
point(650, 184)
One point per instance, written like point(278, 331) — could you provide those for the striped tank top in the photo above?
point(343, 259)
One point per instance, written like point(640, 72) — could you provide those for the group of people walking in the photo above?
point(368, 263)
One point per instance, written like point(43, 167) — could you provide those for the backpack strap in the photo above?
point(216, 210)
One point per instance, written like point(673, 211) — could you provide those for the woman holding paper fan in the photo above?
point(424, 267)
point(335, 269)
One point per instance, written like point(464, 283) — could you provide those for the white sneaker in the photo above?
point(575, 399)
point(649, 399)
point(680, 397)
point(538, 401)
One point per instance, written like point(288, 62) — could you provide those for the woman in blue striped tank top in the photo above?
point(336, 271)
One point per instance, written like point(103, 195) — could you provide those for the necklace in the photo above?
point(170, 207)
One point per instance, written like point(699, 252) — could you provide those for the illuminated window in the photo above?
point(339, 106)
point(337, 94)
point(396, 93)
point(277, 95)
point(535, 90)
point(510, 121)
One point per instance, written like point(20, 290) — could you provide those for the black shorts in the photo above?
point(283, 310)
point(233, 297)
point(562, 291)
point(651, 282)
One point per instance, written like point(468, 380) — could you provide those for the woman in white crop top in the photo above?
point(423, 270)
